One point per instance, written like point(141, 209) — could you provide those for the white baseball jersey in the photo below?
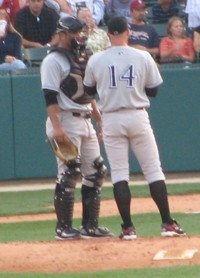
point(127, 71)
point(54, 69)
point(121, 75)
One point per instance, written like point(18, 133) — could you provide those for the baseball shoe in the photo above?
point(67, 233)
point(173, 229)
point(128, 233)
point(100, 232)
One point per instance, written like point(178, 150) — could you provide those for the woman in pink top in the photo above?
point(176, 47)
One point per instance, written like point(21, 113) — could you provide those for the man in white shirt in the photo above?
point(193, 11)
point(70, 7)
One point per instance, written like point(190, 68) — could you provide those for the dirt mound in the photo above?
point(93, 255)
point(101, 254)
point(186, 203)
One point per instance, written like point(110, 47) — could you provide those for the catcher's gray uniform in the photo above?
point(69, 109)
point(54, 70)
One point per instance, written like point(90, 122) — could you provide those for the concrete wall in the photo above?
point(174, 114)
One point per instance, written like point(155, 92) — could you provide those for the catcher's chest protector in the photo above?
point(72, 85)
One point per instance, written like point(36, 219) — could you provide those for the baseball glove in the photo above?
point(64, 151)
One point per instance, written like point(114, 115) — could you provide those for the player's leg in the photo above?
point(117, 153)
point(64, 193)
point(116, 145)
point(64, 200)
point(93, 170)
point(146, 151)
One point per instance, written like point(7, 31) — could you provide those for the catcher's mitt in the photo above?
point(65, 151)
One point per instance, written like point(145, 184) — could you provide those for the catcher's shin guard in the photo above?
point(64, 195)
point(64, 204)
point(91, 197)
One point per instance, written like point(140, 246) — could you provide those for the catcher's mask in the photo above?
point(71, 24)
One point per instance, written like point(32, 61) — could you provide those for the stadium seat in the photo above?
point(161, 29)
point(34, 56)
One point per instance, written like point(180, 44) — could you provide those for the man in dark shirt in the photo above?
point(164, 9)
point(142, 36)
point(37, 25)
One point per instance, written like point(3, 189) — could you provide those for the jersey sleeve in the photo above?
point(51, 73)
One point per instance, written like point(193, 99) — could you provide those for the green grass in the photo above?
point(148, 225)
point(41, 201)
point(177, 272)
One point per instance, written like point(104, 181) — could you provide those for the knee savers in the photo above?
point(72, 174)
point(98, 176)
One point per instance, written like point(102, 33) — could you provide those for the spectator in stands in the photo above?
point(11, 7)
point(176, 47)
point(37, 25)
point(196, 38)
point(10, 44)
point(96, 7)
point(23, 3)
point(70, 7)
point(164, 9)
point(142, 35)
point(193, 11)
point(117, 8)
point(60, 6)
point(97, 38)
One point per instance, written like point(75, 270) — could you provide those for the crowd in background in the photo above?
point(32, 24)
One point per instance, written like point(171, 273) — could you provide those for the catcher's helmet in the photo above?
point(69, 24)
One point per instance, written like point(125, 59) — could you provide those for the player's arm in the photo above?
point(151, 92)
point(53, 111)
point(97, 116)
point(154, 79)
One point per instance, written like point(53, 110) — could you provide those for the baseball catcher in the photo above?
point(71, 133)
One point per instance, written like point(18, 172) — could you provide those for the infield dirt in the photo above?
point(101, 254)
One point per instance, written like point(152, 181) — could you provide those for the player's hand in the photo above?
point(99, 131)
point(60, 135)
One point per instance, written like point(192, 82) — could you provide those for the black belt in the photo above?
point(85, 115)
point(140, 108)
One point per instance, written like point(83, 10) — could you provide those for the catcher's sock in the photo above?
point(122, 196)
point(158, 192)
